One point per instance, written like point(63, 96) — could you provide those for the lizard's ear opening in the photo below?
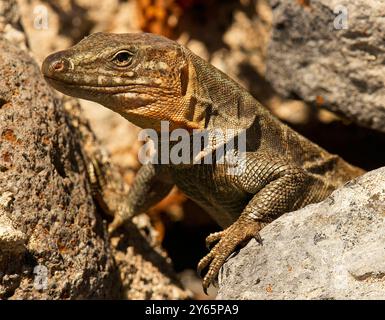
point(184, 79)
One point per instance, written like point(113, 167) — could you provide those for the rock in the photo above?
point(53, 238)
point(334, 249)
point(312, 58)
point(52, 209)
point(10, 23)
point(11, 240)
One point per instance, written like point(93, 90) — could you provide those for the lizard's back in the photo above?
point(266, 137)
point(266, 133)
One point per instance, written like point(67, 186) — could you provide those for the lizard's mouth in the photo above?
point(74, 87)
point(109, 96)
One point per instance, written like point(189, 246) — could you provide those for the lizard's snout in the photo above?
point(54, 65)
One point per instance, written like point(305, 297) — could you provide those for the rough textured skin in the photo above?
point(334, 249)
point(341, 70)
point(146, 79)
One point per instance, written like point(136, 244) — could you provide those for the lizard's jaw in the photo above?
point(112, 97)
point(118, 99)
point(139, 108)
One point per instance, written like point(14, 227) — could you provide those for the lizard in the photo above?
point(148, 79)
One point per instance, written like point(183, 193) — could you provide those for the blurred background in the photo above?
point(234, 36)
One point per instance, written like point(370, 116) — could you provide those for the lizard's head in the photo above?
point(144, 77)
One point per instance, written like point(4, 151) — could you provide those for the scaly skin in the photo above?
point(147, 79)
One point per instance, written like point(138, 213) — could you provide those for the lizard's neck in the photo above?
point(211, 100)
point(217, 101)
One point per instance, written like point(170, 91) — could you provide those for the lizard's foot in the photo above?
point(238, 234)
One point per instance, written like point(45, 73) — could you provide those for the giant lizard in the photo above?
point(148, 79)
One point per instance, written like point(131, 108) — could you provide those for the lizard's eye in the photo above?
point(122, 58)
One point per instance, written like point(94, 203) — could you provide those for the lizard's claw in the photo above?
point(214, 237)
point(115, 224)
point(239, 233)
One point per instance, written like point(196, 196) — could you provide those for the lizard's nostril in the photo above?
point(58, 66)
point(55, 64)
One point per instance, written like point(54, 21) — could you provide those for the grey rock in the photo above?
point(334, 249)
point(310, 57)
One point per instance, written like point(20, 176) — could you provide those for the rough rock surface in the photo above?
point(339, 69)
point(334, 249)
point(42, 173)
point(53, 239)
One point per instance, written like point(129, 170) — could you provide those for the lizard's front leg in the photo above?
point(151, 184)
point(280, 187)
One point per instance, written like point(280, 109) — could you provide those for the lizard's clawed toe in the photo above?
point(212, 238)
point(237, 234)
point(204, 262)
point(258, 238)
point(115, 224)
